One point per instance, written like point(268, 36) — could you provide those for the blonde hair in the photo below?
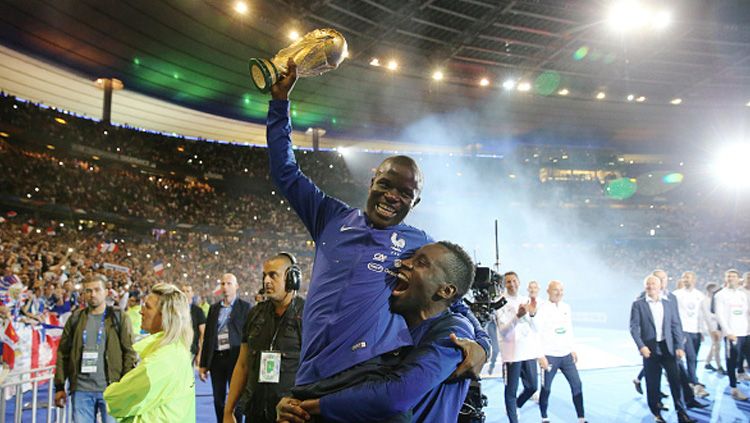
point(175, 314)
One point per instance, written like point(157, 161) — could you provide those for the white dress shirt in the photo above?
point(657, 312)
point(519, 338)
point(689, 305)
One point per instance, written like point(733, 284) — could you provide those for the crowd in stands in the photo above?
point(253, 221)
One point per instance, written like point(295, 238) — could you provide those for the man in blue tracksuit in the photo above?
point(347, 320)
point(428, 283)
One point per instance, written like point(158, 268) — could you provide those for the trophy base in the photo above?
point(264, 74)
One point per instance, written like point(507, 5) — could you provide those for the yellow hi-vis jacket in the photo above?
point(161, 389)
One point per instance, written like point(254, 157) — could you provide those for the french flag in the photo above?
point(107, 247)
point(158, 267)
point(10, 339)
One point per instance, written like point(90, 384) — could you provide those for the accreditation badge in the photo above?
point(89, 360)
point(270, 367)
point(223, 341)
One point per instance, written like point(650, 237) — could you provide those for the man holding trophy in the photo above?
point(349, 331)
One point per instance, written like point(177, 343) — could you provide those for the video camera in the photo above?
point(485, 289)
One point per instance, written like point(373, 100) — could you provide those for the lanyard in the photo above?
point(281, 322)
point(98, 334)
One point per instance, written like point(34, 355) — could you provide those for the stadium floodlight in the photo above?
point(729, 165)
point(632, 15)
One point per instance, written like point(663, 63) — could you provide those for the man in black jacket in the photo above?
point(274, 327)
point(222, 339)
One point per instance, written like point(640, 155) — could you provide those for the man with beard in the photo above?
point(347, 320)
point(428, 282)
point(689, 301)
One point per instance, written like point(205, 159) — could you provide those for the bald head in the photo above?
point(555, 291)
point(228, 287)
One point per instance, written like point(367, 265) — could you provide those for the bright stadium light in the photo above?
point(729, 166)
point(524, 87)
point(509, 84)
point(437, 75)
point(241, 7)
point(484, 82)
point(632, 15)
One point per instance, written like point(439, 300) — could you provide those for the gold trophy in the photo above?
point(317, 52)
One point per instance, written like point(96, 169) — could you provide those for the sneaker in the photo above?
point(700, 391)
point(738, 395)
point(638, 387)
point(721, 371)
point(708, 366)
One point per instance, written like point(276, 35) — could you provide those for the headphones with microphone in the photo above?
point(293, 274)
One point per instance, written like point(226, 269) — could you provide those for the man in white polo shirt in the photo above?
point(556, 329)
point(732, 311)
point(519, 346)
point(689, 300)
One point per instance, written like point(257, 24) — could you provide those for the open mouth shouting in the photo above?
point(402, 284)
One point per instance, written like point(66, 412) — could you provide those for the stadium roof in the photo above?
point(195, 53)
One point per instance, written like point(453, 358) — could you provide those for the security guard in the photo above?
point(269, 354)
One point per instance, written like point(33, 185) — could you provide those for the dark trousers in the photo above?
point(222, 366)
point(492, 332)
point(526, 371)
point(662, 359)
point(568, 368)
point(735, 352)
point(692, 345)
point(375, 370)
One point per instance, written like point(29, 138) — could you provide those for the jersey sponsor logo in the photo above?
point(380, 257)
point(375, 267)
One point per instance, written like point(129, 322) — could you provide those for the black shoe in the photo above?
point(659, 419)
point(663, 407)
point(682, 417)
point(709, 367)
point(637, 384)
point(695, 404)
point(663, 395)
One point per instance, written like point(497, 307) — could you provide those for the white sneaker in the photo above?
point(738, 395)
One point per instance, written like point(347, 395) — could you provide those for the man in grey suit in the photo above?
point(657, 331)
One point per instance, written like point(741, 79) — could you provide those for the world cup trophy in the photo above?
point(317, 52)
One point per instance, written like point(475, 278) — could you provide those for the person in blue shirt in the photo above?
point(348, 322)
point(428, 282)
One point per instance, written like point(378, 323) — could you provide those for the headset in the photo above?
point(293, 274)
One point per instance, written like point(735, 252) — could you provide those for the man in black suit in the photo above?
point(222, 340)
point(656, 329)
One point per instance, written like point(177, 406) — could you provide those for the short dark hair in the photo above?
point(459, 268)
point(506, 274)
point(96, 277)
point(405, 161)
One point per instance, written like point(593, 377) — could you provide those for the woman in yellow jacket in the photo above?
point(162, 387)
